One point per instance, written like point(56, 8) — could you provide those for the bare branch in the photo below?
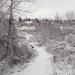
point(22, 10)
point(21, 2)
point(17, 12)
point(5, 13)
point(3, 4)
point(18, 2)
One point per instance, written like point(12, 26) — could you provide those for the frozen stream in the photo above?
point(42, 64)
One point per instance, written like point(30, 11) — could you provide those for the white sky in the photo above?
point(48, 8)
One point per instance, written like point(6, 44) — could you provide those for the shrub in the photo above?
point(2, 49)
point(71, 40)
point(26, 54)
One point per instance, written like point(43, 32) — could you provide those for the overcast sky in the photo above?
point(48, 8)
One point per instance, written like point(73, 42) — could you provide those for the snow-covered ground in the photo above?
point(42, 64)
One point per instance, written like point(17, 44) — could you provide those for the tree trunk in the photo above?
point(10, 36)
point(12, 46)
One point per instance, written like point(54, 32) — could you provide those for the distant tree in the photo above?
point(27, 19)
point(37, 20)
point(57, 18)
point(70, 15)
point(47, 19)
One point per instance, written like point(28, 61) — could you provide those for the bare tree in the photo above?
point(58, 18)
point(12, 43)
point(70, 15)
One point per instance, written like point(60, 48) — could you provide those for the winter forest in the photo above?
point(34, 46)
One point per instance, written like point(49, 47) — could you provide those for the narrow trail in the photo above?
point(42, 64)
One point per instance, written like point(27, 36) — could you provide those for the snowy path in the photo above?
point(41, 65)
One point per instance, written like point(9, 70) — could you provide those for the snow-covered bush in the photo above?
point(26, 54)
point(71, 39)
point(60, 49)
point(63, 57)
